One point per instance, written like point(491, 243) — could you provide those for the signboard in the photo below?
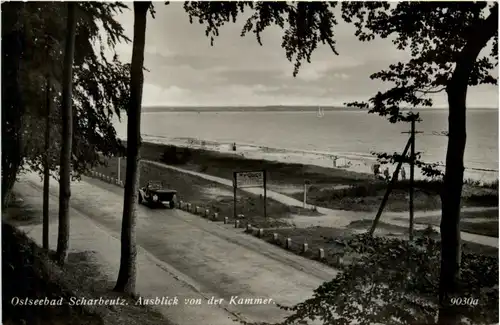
point(249, 179)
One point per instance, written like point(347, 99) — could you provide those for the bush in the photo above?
point(173, 155)
point(396, 282)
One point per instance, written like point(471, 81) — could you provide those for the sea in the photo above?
point(336, 132)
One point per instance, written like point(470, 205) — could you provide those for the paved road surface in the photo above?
point(209, 258)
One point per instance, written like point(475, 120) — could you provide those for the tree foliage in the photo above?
point(305, 24)
point(100, 84)
point(400, 287)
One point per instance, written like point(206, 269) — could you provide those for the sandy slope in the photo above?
point(209, 260)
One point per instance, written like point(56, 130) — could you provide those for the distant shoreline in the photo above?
point(201, 109)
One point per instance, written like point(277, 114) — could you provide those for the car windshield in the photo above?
point(156, 185)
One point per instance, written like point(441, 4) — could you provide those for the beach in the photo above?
point(349, 162)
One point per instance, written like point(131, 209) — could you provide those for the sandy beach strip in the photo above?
point(353, 162)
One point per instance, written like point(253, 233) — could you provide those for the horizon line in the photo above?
point(311, 105)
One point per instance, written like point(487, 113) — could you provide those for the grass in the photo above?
point(30, 272)
point(363, 192)
point(485, 228)
point(486, 214)
point(468, 246)
point(330, 240)
point(316, 238)
point(199, 192)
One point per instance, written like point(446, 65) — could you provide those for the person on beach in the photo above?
point(234, 146)
point(376, 170)
point(403, 173)
point(386, 174)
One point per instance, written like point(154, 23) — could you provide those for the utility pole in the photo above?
point(410, 145)
point(412, 176)
point(388, 192)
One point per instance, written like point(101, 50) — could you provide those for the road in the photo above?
point(342, 218)
point(208, 258)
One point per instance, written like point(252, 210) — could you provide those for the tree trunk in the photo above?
point(127, 274)
point(67, 138)
point(453, 179)
point(46, 170)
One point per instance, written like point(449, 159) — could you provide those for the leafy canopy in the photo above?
point(100, 85)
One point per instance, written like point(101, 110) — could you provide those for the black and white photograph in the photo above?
point(250, 163)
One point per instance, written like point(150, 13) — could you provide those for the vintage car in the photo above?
point(154, 194)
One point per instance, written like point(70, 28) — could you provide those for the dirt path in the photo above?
point(342, 218)
point(205, 259)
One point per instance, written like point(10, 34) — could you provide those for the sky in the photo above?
point(185, 70)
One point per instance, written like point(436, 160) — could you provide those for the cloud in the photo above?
point(185, 69)
point(154, 95)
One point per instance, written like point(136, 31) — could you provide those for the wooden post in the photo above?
point(412, 175)
point(305, 195)
point(388, 192)
point(119, 169)
point(234, 194)
point(306, 183)
point(265, 194)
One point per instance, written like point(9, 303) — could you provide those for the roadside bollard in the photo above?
point(288, 243)
point(215, 216)
point(321, 253)
point(304, 247)
point(236, 224)
point(261, 232)
point(207, 213)
point(226, 220)
point(275, 237)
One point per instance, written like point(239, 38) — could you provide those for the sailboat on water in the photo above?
point(320, 112)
